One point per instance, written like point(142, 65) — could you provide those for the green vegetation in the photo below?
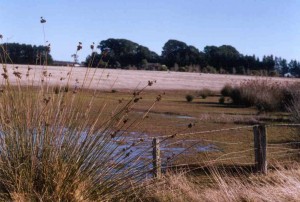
point(26, 54)
point(178, 56)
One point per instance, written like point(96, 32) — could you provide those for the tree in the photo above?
point(225, 57)
point(294, 67)
point(26, 54)
point(173, 51)
point(268, 63)
point(121, 53)
point(178, 52)
point(281, 65)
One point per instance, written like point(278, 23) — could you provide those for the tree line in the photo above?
point(178, 56)
point(25, 54)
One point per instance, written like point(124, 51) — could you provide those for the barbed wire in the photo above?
point(284, 143)
point(214, 131)
point(283, 124)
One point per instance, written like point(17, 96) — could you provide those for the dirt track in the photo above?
point(130, 79)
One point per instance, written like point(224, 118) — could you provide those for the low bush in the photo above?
point(226, 90)
point(204, 93)
point(189, 98)
point(265, 95)
point(209, 69)
point(222, 100)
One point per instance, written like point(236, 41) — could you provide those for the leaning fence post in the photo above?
point(260, 148)
point(156, 158)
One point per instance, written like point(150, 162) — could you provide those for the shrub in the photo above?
point(226, 90)
point(209, 69)
point(189, 98)
point(163, 68)
point(265, 95)
point(273, 74)
point(222, 100)
point(204, 93)
point(182, 69)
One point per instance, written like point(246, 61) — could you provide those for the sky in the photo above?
point(260, 27)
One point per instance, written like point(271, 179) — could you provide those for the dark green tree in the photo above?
point(294, 67)
point(178, 52)
point(123, 52)
point(26, 54)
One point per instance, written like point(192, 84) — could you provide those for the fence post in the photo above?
point(260, 148)
point(156, 158)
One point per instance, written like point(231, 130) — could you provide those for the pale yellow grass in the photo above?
point(279, 185)
point(130, 79)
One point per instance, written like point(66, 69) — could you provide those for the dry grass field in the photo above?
point(131, 79)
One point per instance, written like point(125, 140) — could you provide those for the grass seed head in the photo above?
point(42, 20)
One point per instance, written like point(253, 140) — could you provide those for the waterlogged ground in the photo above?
point(172, 115)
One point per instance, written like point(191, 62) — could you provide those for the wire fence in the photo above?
point(254, 146)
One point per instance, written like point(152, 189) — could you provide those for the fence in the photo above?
point(259, 148)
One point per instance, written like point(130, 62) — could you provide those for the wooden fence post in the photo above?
point(156, 158)
point(260, 148)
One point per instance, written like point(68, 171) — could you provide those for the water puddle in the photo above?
point(140, 145)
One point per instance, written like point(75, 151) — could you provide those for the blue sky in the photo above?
point(259, 27)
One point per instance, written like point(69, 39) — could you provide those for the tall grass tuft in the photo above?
point(280, 185)
point(265, 95)
point(55, 146)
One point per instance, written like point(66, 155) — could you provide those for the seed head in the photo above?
point(125, 120)
point(5, 76)
point(79, 46)
point(17, 74)
point(42, 20)
point(158, 98)
point(92, 46)
point(45, 73)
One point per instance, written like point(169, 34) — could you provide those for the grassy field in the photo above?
point(69, 131)
point(174, 115)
